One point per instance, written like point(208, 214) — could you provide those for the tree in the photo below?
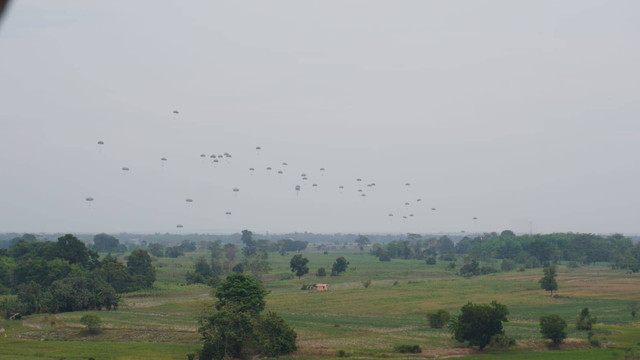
point(140, 268)
point(174, 251)
point(438, 319)
point(339, 266)
point(92, 322)
point(548, 281)
point(250, 247)
point(104, 242)
point(237, 330)
point(585, 320)
point(634, 306)
point(298, 265)
point(227, 333)
point(478, 323)
point(553, 327)
point(362, 241)
point(245, 293)
point(275, 336)
point(321, 272)
point(156, 249)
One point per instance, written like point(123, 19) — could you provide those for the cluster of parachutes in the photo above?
point(362, 189)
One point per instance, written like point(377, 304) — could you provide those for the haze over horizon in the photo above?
point(521, 115)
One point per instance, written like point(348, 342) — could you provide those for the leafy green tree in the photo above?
point(203, 268)
point(471, 268)
point(174, 251)
point(553, 327)
point(75, 251)
point(115, 274)
point(229, 332)
point(634, 306)
point(275, 336)
point(298, 265)
point(321, 272)
point(362, 241)
point(105, 242)
point(188, 246)
point(339, 266)
point(478, 323)
point(156, 249)
point(250, 247)
point(245, 293)
point(92, 322)
point(236, 329)
point(548, 281)
point(140, 268)
point(438, 319)
point(585, 320)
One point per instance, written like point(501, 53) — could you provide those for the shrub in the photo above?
point(573, 265)
point(438, 319)
point(501, 341)
point(408, 349)
point(553, 327)
point(366, 283)
point(507, 265)
point(431, 260)
point(92, 322)
point(585, 320)
point(321, 272)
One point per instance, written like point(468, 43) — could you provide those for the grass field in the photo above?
point(361, 322)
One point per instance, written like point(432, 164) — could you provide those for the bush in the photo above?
point(553, 327)
point(92, 322)
point(438, 319)
point(507, 265)
point(585, 320)
point(431, 260)
point(322, 272)
point(573, 265)
point(501, 341)
point(408, 349)
point(275, 336)
point(366, 283)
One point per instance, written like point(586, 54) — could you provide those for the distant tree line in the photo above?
point(531, 251)
point(65, 275)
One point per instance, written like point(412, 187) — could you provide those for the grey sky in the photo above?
point(517, 113)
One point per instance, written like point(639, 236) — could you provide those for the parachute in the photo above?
point(89, 199)
point(236, 189)
point(297, 187)
point(228, 213)
point(179, 226)
point(124, 168)
point(100, 142)
point(258, 148)
point(189, 200)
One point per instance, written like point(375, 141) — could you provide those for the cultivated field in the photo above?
point(349, 319)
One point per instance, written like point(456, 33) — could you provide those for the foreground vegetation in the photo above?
point(350, 319)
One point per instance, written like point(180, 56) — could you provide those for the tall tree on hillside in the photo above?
point(548, 281)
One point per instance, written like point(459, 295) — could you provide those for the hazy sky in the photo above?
point(522, 114)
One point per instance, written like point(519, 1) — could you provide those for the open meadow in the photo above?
point(349, 320)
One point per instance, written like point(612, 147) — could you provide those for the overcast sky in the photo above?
point(523, 114)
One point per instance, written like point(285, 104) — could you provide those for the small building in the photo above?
point(322, 287)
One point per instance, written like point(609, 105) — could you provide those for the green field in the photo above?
point(362, 322)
